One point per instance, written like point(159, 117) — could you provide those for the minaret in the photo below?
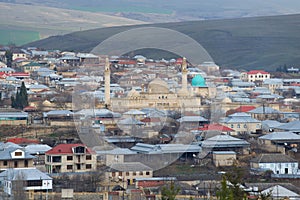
point(107, 82)
point(183, 92)
point(184, 74)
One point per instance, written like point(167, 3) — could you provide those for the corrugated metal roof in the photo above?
point(25, 174)
point(129, 166)
point(282, 136)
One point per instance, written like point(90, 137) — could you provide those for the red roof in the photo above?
point(20, 74)
point(244, 108)
point(29, 108)
point(22, 141)
point(215, 127)
point(146, 184)
point(66, 149)
point(3, 75)
point(257, 72)
point(127, 62)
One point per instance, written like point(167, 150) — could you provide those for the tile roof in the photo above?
point(257, 72)
point(67, 149)
point(22, 141)
point(215, 127)
point(244, 108)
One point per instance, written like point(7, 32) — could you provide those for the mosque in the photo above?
point(157, 94)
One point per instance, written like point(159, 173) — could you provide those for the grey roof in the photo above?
point(58, 112)
point(270, 124)
point(134, 112)
point(273, 81)
point(121, 139)
point(282, 192)
point(239, 117)
point(104, 113)
point(13, 114)
point(165, 148)
point(281, 136)
point(116, 151)
point(270, 96)
point(34, 86)
point(192, 119)
point(291, 126)
point(25, 174)
point(130, 121)
point(223, 152)
point(5, 154)
point(7, 69)
point(37, 148)
point(9, 144)
point(130, 167)
point(273, 158)
point(264, 110)
point(153, 112)
point(224, 141)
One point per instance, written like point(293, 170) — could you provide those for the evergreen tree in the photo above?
point(169, 192)
point(23, 96)
point(21, 99)
point(13, 102)
point(8, 56)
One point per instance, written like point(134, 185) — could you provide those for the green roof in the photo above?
point(198, 81)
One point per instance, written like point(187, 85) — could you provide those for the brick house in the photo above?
point(70, 158)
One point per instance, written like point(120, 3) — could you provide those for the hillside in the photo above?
point(35, 22)
point(258, 42)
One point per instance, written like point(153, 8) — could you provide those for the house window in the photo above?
point(69, 157)
point(69, 167)
point(31, 183)
point(78, 167)
point(56, 159)
point(16, 164)
point(147, 173)
point(88, 166)
point(232, 126)
point(127, 173)
point(18, 153)
point(120, 173)
point(134, 173)
point(141, 173)
point(245, 125)
point(48, 158)
point(238, 126)
point(88, 157)
point(5, 163)
point(25, 163)
point(257, 126)
point(113, 174)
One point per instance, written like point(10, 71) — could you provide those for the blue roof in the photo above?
point(198, 81)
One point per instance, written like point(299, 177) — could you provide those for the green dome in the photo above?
point(198, 81)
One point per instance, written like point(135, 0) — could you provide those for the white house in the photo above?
point(31, 179)
point(277, 163)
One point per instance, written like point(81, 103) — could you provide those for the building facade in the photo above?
point(70, 158)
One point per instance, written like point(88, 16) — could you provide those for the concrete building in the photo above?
point(223, 158)
point(70, 158)
point(255, 75)
point(277, 163)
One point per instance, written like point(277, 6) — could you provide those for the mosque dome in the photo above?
point(198, 81)
point(158, 86)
